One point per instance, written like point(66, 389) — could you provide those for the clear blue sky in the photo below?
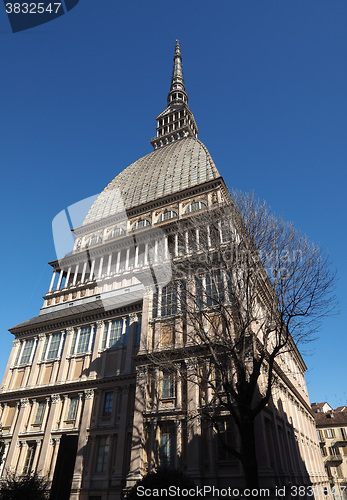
point(267, 84)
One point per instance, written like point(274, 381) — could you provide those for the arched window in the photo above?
point(167, 215)
point(116, 231)
point(94, 240)
point(141, 223)
point(195, 206)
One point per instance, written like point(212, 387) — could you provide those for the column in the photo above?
point(83, 435)
point(122, 435)
point(194, 424)
point(67, 277)
point(37, 454)
point(153, 455)
point(50, 425)
point(95, 362)
point(118, 262)
point(55, 442)
point(101, 263)
point(127, 259)
point(52, 281)
point(45, 414)
point(84, 272)
point(79, 409)
point(131, 340)
point(21, 458)
point(92, 270)
point(146, 254)
point(75, 275)
point(137, 256)
point(166, 247)
point(61, 272)
point(176, 244)
point(137, 450)
point(108, 272)
point(178, 457)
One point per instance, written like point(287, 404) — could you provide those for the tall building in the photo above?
point(332, 436)
point(78, 402)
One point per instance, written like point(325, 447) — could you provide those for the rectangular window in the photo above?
point(53, 348)
point(39, 412)
point(214, 289)
point(226, 439)
point(116, 333)
point(27, 351)
point(319, 434)
point(29, 459)
point(102, 455)
point(138, 329)
point(330, 433)
point(108, 404)
point(168, 300)
point(84, 338)
point(72, 411)
point(168, 385)
point(167, 450)
point(343, 434)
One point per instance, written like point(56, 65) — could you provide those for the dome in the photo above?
point(177, 166)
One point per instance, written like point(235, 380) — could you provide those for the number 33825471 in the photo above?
point(32, 8)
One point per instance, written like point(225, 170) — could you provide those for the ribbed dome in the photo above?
point(172, 168)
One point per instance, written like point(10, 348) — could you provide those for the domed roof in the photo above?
point(180, 165)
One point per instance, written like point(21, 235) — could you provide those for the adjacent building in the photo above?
point(77, 403)
point(332, 436)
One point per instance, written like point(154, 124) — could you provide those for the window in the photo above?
point(102, 455)
point(94, 240)
point(39, 412)
point(138, 329)
point(108, 404)
point(167, 215)
point(195, 206)
point(84, 338)
point(116, 333)
point(320, 438)
point(52, 346)
point(26, 352)
point(226, 439)
point(167, 450)
point(225, 231)
point(330, 433)
point(168, 300)
point(72, 412)
point(141, 223)
point(117, 231)
point(29, 459)
point(167, 385)
point(214, 289)
point(116, 330)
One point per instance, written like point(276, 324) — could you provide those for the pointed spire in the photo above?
point(177, 81)
point(176, 121)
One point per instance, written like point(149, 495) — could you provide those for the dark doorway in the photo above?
point(63, 472)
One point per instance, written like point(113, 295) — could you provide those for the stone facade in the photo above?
point(75, 385)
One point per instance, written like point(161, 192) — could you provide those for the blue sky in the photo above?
point(267, 84)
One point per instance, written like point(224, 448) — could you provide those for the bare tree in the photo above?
point(248, 288)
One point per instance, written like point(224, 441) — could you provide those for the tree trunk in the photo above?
point(248, 452)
